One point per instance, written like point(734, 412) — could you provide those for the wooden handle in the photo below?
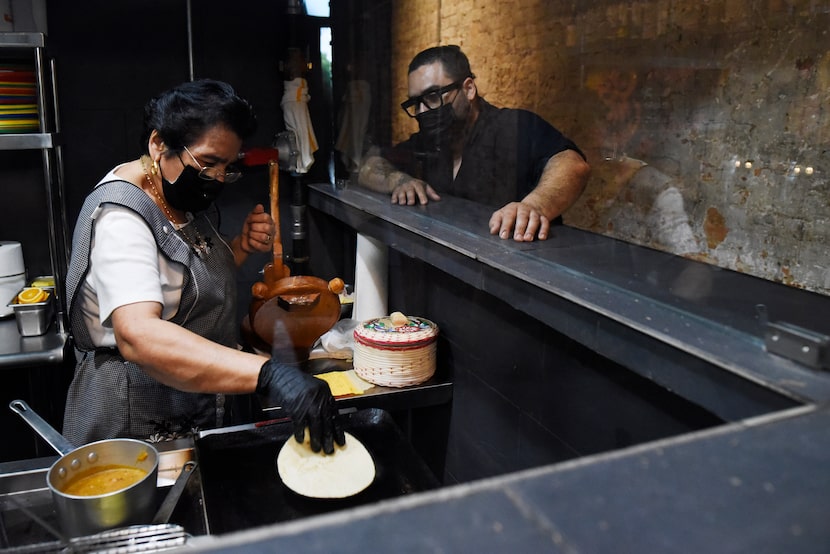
point(274, 170)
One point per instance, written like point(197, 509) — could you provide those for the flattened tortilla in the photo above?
point(346, 472)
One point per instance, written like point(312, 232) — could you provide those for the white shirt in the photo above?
point(125, 267)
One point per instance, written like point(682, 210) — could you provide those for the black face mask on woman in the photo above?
point(189, 192)
point(436, 125)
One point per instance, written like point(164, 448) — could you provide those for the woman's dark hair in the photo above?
point(455, 62)
point(184, 113)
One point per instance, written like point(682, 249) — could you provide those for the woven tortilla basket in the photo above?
point(395, 356)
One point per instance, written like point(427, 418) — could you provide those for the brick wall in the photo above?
point(705, 122)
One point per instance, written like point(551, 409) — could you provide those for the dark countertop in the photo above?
point(760, 485)
point(757, 486)
point(692, 327)
point(17, 351)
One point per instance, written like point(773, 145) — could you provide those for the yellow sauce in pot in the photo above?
point(103, 480)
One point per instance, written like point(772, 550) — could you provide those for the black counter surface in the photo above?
point(242, 488)
point(17, 351)
point(668, 318)
point(757, 486)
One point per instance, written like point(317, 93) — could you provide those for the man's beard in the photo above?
point(439, 127)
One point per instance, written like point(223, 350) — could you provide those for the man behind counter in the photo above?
point(512, 159)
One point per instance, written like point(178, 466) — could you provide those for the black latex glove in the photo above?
point(307, 401)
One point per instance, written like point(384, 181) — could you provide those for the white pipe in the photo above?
point(371, 279)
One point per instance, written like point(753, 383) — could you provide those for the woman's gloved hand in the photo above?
point(307, 401)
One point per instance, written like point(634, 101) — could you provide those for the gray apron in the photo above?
point(111, 397)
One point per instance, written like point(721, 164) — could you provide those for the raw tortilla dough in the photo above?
point(346, 472)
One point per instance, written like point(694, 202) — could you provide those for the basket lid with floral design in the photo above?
point(396, 331)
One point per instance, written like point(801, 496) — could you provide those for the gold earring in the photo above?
point(155, 168)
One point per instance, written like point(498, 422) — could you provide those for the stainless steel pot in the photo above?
point(84, 515)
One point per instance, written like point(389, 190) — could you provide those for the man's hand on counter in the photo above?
point(379, 175)
point(409, 191)
point(520, 219)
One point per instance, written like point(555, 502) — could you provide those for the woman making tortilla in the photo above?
point(151, 288)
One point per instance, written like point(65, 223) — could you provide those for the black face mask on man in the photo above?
point(189, 192)
point(436, 125)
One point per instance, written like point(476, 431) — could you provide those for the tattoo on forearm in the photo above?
point(400, 179)
point(385, 176)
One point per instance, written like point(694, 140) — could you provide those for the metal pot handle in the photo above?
point(46, 431)
point(173, 495)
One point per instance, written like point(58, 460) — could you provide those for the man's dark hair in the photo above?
point(455, 62)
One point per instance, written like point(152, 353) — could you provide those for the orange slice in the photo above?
point(32, 295)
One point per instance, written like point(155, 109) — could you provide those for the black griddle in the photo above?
point(242, 488)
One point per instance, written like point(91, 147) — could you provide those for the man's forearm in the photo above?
point(562, 182)
point(378, 174)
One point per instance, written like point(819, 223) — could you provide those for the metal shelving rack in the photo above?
point(48, 141)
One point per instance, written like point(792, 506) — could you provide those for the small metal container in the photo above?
point(34, 319)
point(46, 282)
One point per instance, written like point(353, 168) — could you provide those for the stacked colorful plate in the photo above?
point(18, 99)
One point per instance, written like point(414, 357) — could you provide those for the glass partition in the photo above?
point(704, 122)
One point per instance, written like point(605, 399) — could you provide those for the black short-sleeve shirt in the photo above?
point(502, 161)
